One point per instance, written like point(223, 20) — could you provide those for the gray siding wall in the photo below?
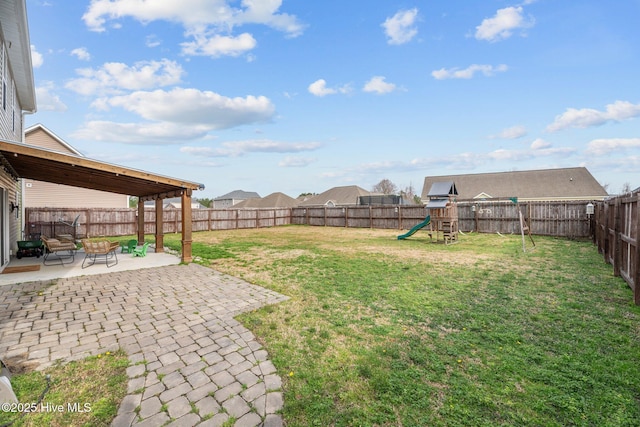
point(10, 130)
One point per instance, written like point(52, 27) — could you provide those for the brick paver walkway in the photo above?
point(192, 363)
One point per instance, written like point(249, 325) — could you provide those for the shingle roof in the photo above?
point(338, 196)
point(238, 195)
point(547, 184)
point(273, 200)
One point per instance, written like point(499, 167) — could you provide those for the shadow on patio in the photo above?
point(40, 271)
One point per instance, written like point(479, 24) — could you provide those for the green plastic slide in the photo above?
point(417, 227)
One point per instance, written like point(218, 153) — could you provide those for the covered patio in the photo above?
point(26, 161)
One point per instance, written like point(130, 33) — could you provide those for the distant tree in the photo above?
point(385, 187)
point(133, 202)
point(206, 202)
point(306, 195)
point(626, 188)
point(408, 193)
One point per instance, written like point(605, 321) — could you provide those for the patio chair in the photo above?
point(99, 248)
point(57, 251)
point(131, 245)
point(141, 251)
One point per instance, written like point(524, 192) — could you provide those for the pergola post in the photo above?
point(159, 227)
point(186, 226)
point(140, 222)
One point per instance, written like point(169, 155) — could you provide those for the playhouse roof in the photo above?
point(442, 189)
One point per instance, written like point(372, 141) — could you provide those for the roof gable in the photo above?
point(238, 195)
point(273, 200)
point(336, 196)
point(38, 135)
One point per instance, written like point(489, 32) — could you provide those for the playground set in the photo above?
point(442, 220)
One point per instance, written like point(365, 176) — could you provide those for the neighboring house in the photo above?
point(235, 197)
point(39, 194)
point(337, 196)
point(17, 97)
point(173, 203)
point(539, 185)
point(273, 200)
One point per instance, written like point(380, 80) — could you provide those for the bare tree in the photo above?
point(385, 187)
point(626, 188)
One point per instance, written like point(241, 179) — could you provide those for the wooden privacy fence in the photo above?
point(556, 218)
point(97, 222)
point(565, 219)
point(617, 222)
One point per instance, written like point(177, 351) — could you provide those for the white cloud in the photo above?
point(216, 45)
point(47, 99)
point(400, 28)
point(588, 117)
point(195, 107)
point(296, 162)
point(193, 13)
point(240, 148)
point(503, 24)
point(513, 132)
point(163, 133)
point(378, 85)
point(469, 72)
point(540, 144)
point(319, 88)
point(113, 77)
point(210, 23)
point(599, 147)
point(152, 41)
point(81, 53)
point(36, 58)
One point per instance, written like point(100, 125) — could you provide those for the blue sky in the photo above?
point(301, 96)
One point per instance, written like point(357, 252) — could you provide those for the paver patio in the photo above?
point(175, 323)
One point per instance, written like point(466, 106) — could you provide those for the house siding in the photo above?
point(10, 110)
point(40, 138)
point(10, 130)
point(38, 194)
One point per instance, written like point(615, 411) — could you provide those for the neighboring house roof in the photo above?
point(546, 184)
point(337, 196)
point(273, 200)
point(15, 31)
point(56, 143)
point(238, 195)
point(39, 194)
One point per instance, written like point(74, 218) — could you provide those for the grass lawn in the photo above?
point(386, 332)
point(409, 333)
point(81, 393)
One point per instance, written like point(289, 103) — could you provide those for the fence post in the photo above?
point(636, 261)
point(617, 242)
